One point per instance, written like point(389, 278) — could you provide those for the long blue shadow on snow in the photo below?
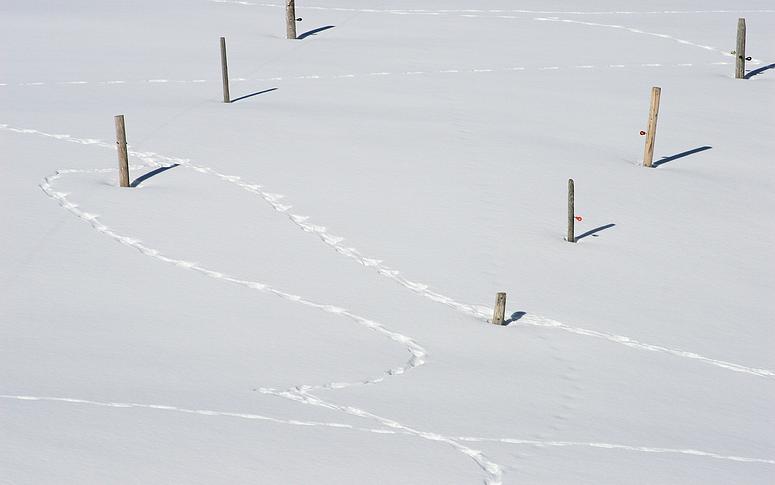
point(144, 177)
point(514, 317)
point(758, 71)
point(665, 160)
point(253, 94)
point(593, 232)
point(314, 31)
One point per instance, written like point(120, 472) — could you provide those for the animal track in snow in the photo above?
point(482, 70)
point(643, 32)
point(395, 428)
point(471, 12)
point(301, 393)
point(202, 412)
point(335, 242)
point(610, 446)
point(475, 13)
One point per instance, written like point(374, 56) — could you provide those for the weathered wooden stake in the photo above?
point(123, 157)
point(500, 309)
point(225, 72)
point(651, 133)
point(290, 18)
point(740, 50)
point(571, 237)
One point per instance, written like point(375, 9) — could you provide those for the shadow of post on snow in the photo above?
point(314, 31)
point(146, 176)
point(514, 317)
point(593, 232)
point(758, 71)
point(253, 94)
point(665, 160)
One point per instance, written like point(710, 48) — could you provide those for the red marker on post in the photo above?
point(579, 218)
point(642, 133)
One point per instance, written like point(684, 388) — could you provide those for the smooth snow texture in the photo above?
point(434, 144)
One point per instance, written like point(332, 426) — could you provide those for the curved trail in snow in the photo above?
point(336, 242)
point(305, 77)
point(644, 32)
point(468, 12)
point(383, 431)
point(477, 14)
point(303, 393)
point(300, 393)
point(612, 446)
point(201, 412)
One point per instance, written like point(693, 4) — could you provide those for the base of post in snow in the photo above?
point(499, 313)
point(123, 157)
point(740, 50)
point(225, 72)
point(290, 19)
point(571, 236)
point(651, 133)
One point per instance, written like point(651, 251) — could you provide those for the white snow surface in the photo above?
point(298, 288)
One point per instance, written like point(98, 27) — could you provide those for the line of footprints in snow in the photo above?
point(303, 393)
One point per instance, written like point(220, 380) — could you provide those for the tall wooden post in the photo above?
point(499, 313)
point(225, 72)
point(123, 157)
point(651, 134)
point(290, 18)
point(740, 50)
point(571, 237)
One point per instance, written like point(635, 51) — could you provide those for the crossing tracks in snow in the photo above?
point(306, 77)
point(492, 13)
point(336, 243)
point(303, 393)
point(417, 353)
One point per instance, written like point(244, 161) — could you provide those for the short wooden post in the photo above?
point(740, 50)
point(290, 18)
point(571, 237)
point(123, 157)
point(651, 133)
point(499, 313)
point(225, 72)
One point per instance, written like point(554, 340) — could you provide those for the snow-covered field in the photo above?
point(303, 295)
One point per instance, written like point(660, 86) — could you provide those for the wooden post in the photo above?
point(290, 18)
point(123, 157)
point(740, 50)
point(500, 309)
point(651, 134)
point(571, 213)
point(225, 72)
